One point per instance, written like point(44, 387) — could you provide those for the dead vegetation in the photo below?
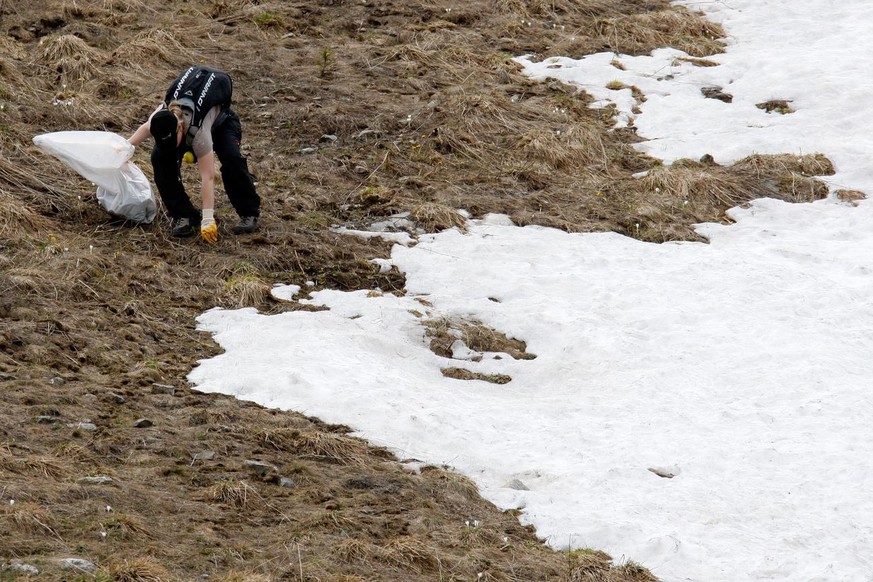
point(353, 113)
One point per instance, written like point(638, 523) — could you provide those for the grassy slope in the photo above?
point(429, 114)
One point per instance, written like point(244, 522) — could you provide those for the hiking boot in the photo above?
point(183, 228)
point(246, 225)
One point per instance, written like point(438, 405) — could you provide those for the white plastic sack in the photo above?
point(103, 157)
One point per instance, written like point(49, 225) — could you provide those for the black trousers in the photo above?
point(238, 183)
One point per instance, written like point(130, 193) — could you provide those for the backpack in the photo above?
point(205, 87)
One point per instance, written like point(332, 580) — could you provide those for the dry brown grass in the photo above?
point(76, 61)
point(48, 467)
point(465, 374)
point(435, 217)
point(354, 550)
point(235, 493)
point(138, 570)
point(634, 34)
point(29, 517)
point(411, 553)
point(318, 444)
point(150, 46)
point(445, 331)
point(125, 525)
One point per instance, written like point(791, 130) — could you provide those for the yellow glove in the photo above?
point(208, 228)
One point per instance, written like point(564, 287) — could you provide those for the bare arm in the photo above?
point(141, 134)
point(206, 164)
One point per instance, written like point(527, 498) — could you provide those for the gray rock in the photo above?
point(328, 137)
point(204, 456)
point(78, 564)
point(143, 423)
point(44, 419)
point(163, 389)
point(259, 467)
point(90, 426)
point(116, 398)
point(518, 485)
point(95, 480)
point(4, 377)
point(56, 381)
point(287, 483)
point(308, 150)
point(17, 566)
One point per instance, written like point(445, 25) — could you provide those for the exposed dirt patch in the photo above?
point(353, 111)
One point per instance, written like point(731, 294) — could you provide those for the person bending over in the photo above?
point(195, 119)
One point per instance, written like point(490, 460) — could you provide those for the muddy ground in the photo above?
point(352, 111)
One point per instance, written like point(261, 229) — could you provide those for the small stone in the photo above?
point(259, 467)
point(518, 485)
point(163, 389)
point(308, 150)
point(90, 426)
point(56, 381)
point(116, 398)
point(665, 472)
point(717, 93)
point(78, 564)
point(44, 419)
point(204, 456)
point(143, 423)
point(17, 566)
point(4, 377)
point(287, 483)
point(95, 480)
point(328, 137)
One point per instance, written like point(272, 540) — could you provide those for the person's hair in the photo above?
point(175, 108)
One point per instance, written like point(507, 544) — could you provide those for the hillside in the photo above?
point(352, 112)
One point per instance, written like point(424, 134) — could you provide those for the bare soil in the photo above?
point(353, 111)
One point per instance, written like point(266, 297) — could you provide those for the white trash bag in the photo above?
point(103, 157)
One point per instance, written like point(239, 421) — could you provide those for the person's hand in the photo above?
point(208, 228)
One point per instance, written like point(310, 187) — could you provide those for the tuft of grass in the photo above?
point(353, 550)
point(781, 106)
point(318, 444)
point(72, 57)
point(411, 553)
point(677, 27)
point(434, 217)
point(31, 465)
point(153, 45)
point(235, 493)
point(445, 331)
point(850, 196)
point(464, 374)
point(29, 517)
point(137, 570)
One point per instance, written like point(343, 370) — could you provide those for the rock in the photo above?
point(46, 419)
point(717, 93)
point(259, 467)
point(518, 485)
point(308, 150)
point(143, 423)
point(28, 569)
point(89, 426)
point(78, 564)
point(4, 377)
point(328, 137)
point(665, 472)
point(95, 480)
point(116, 398)
point(56, 381)
point(163, 389)
point(204, 456)
point(286, 482)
